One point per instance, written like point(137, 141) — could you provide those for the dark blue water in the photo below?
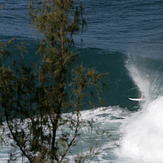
point(133, 26)
point(123, 38)
point(115, 29)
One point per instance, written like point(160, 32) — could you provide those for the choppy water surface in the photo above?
point(123, 38)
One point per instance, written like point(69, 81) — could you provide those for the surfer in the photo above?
point(147, 86)
point(144, 88)
point(142, 95)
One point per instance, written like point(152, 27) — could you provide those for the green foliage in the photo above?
point(42, 105)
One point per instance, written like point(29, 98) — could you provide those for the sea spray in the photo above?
point(143, 136)
point(139, 76)
point(142, 139)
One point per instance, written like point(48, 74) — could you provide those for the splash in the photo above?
point(140, 78)
point(143, 135)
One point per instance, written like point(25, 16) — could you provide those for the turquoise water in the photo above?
point(124, 39)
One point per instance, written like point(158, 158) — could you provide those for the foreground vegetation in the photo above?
point(34, 98)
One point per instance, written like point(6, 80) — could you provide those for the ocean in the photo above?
point(124, 39)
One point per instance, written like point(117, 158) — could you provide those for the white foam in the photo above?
point(137, 136)
point(143, 136)
point(107, 119)
point(142, 139)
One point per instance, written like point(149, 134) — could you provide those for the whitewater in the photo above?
point(137, 137)
point(134, 137)
point(124, 39)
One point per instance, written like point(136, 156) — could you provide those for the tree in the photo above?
point(42, 103)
